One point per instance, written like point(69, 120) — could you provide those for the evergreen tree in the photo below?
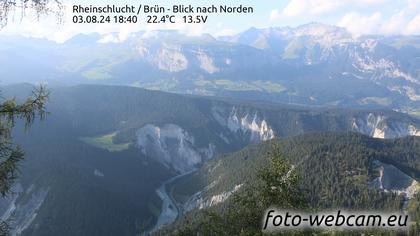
point(40, 7)
point(278, 185)
point(10, 153)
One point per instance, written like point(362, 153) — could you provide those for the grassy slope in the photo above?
point(106, 142)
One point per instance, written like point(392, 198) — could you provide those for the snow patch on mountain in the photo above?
point(251, 126)
point(172, 146)
point(378, 126)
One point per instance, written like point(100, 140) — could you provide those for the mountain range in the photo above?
point(313, 64)
point(147, 133)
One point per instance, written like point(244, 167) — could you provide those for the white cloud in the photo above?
point(371, 1)
point(225, 32)
point(413, 27)
point(319, 7)
point(395, 23)
point(324, 6)
point(413, 5)
point(274, 15)
point(310, 7)
point(295, 7)
point(405, 19)
point(402, 22)
point(360, 25)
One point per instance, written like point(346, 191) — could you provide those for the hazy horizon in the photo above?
point(360, 17)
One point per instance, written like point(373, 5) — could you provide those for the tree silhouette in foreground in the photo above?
point(10, 153)
point(278, 184)
point(39, 7)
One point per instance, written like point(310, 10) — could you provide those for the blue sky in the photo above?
point(360, 17)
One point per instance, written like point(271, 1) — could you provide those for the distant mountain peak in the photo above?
point(273, 37)
point(320, 29)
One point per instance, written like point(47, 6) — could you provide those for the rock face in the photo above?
point(206, 62)
point(198, 200)
point(170, 58)
point(172, 146)
point(177, 148)
point(379, 126)
point(182, 151)
point(391, 179)
point(253, 125)
point(250, 126)
point(22, 213)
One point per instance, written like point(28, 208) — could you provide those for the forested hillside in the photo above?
point(105, 150)
point(337, 170)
